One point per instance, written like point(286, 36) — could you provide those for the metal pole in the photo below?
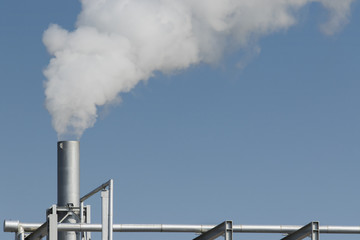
point(224, 228)
point(105, 213)
point(312, 230)
point(111, 209)
point(87, 220)
point(12, 226)
point(204, 228)
point(68, 182)
point(101, 187)
point(20, 234)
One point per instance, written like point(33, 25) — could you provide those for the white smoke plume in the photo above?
point(118, 43)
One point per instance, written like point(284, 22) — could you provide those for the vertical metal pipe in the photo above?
point(68, 182)
point(105, 214)
point(20, 235)
point(111, 209)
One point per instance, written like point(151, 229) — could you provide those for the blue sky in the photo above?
point(276, 142)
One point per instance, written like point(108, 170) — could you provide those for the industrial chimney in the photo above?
point(68, 184)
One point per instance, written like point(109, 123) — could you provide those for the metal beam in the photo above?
point(87, 235)
point(53, 227)
point(311, 229)
point(105, 213)
point(228, 230)
point(111, 209)
point(39, 233)
point(20, 235)
point(12, 226)
point(99, 188)
point(224, 228)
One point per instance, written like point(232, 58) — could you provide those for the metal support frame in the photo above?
point(224, 228)
point(107, 209)
point(51, 227)
point(312, 229)
point(111, 209)
point(54, 225)
point(39, 233)
point(48, 228)
point(87, 220)
point(105, 213)
point(13, 226)
point(70, 218)
point(20, 234)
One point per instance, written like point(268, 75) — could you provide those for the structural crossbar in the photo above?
point(312, 230)
point(13, 226)
point(223, 229)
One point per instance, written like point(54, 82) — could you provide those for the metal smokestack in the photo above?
point(68, 194)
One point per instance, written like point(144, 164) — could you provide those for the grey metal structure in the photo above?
point(68, 194)
point(70, 219)
point(223, 229)
point(14, 226)
point(311, 230)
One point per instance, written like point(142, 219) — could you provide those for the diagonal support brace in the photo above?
point(309, 230)
point(224, 228)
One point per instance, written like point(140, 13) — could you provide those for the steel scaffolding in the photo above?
point(84, 227)
point(70, 219)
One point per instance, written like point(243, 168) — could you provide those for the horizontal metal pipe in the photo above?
point(12, 226)
point(340, 229)
point(161, 228)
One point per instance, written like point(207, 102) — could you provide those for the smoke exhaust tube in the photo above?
point(68, 192)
